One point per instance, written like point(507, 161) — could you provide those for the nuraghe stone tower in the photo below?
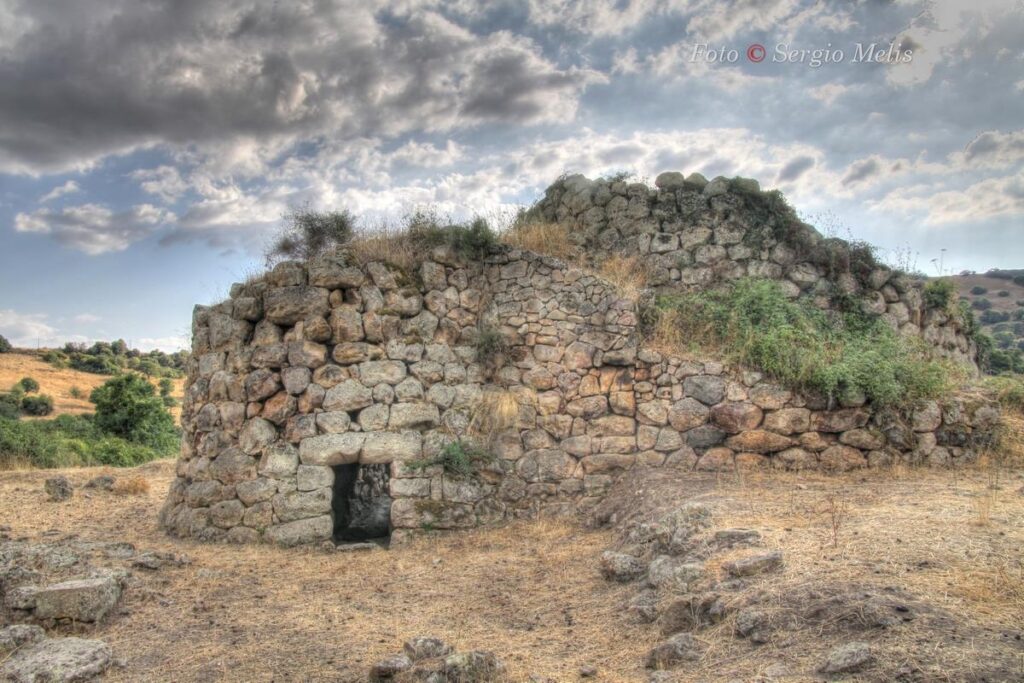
point(311, 389)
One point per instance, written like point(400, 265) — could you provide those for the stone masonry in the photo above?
point(695, 233)
point(334, 362)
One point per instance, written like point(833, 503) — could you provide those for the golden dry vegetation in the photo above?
point(61, 383)
point(532, 592)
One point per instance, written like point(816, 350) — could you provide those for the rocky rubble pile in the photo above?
point(58, 584)
point(431, 660)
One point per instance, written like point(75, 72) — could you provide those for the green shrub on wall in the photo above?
point(828, 353)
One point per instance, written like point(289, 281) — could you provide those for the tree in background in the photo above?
point(5, 346)
point(127, 406)
point(28, 385)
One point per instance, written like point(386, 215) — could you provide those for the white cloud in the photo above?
point(828, 93)
point(164, 181)
point(86, 318)
point(67, 188)
point(92, 228)
point(26, 330)
point(165, 344)
point(989, 198)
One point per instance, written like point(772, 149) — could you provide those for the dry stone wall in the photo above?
point(334, 364)
point(695, 233)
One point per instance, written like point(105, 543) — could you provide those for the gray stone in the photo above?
point(846, 658)
point(372, 373)
point(289, 305)
point(670, 572)
point(279, 461)
point(425, 647)
point(389, 668)
point(313, 477)
point(331, 449)
point(302, 531)
point(754, 564)
point(680, 648)
point(58, 488)
point(707, 389)
point(57, 660)
point(17, 635)
point(296, 505)
point(475, 666)
point(86, 600)
point(621, 567)
point(348, 396)
point(413, 416)
point(386, 447)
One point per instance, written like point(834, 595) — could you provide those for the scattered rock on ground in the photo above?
point(681, 647)
point(588, 671)
point(845, 658)
point(387, 669)
point(426, 647)
point(621, 567)
point(58, 488)
point(754, 564)
point(475, 666)
point(56, 660)
point(14, 636)
point(86, 600)
point(104, 482)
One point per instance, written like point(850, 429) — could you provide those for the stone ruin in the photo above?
point(319, 394)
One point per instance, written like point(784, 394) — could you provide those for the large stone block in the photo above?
point(332, 449)
point(386, 447)
point(303, 531)
point(348, 396)
point(289, 305)
point(84, 600)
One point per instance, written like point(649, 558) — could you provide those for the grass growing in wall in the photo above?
point(458, 457)
point(805, 348)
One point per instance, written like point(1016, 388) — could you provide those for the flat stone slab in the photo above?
point(86, 600)
point(57, 660)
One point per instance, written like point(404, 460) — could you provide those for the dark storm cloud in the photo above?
point(860, 171)
point(795, 168)
point(101, 78)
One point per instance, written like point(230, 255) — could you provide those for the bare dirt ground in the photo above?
point(59, 383)
point(948, 543)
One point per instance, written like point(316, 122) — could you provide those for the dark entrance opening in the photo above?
point(361, 504)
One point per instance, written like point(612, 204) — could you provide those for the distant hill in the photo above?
point(69, 388)
point(997, 299)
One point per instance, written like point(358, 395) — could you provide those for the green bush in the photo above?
point(127, 407)
point(978, 290)
point(992, 317)
point(10, 407)
point(806, 348)
point(981, 304)
point(472, 241)
point(939, 294)
point(307, 234)
point(75, 392)
point(458, 457)
point(28, 385)
point(1019, 280)
point(5, 346)
point(37, 405)
point(67, 441)
point(1002, 293)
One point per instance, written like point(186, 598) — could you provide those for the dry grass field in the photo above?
point(60, 383)
point(532, 591)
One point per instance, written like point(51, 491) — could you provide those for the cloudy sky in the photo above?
point(148, 147)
